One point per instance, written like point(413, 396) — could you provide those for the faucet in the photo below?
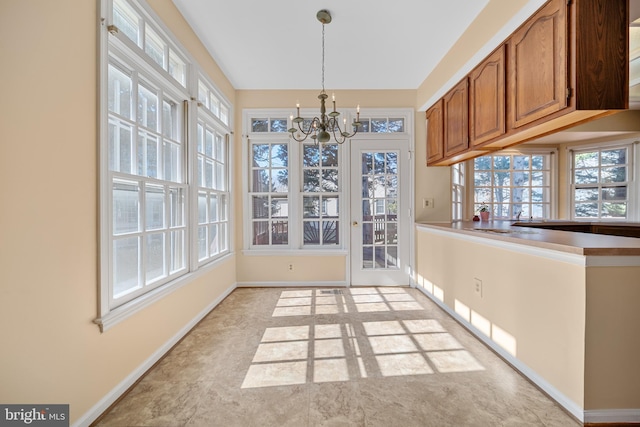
point(518, 216)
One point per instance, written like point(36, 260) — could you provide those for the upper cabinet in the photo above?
point(456, 121)
point(565, 65)
point(435, 132)
point(538, 65)
point(487, 99)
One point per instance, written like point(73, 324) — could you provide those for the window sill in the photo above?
point(123, 312)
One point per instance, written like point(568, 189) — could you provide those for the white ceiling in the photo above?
point(370, 44)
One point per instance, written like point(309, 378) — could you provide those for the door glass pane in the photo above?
point(379, 209)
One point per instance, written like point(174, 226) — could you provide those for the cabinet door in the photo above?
point(435, 133)
point(486, 99)
point(538, 65)
point(456, 119)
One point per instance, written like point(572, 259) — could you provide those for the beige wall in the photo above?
point(532, 307)
point(612, 376)
point(51, 350)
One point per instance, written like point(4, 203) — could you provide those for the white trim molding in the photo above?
point(612, 416)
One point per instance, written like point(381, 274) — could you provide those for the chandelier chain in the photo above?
point(323, 58)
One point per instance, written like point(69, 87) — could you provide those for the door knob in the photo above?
point(355, 223)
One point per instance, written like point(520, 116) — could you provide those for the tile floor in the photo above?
point(332, 357)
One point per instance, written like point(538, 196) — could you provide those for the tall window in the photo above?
point(513, 185)
point(146, 158)
point(269, 189)
point(600, 183)
point(320, 188)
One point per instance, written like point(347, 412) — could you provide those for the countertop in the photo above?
point(566, 241)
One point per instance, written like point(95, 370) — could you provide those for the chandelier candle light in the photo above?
point(319, 128)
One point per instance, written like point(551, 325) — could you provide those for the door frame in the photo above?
point(408, 136)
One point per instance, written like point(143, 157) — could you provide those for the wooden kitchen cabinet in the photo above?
point(566, 65)
point(487, 99)
point(456, 119)
point(538, 71)
point(435, 132)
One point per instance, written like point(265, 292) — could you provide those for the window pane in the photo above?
point(147, 108)
point(311, 232)
point(176, 207)
point(330, 155)
point(154, 207)
point(177, 248)
point(614, 193)
point(586, 160)
point(260, 207)
point(119, 92)
point(260, 233)
point(311, 207)
point(260, 156)
point(223, 201)
point(482, 163)
point(330, 180)
point(280, 180)
point(586, 194)
point(396, 125)
point(501, 179)
point(330, 233)
point(279, 207)
point(502, 162)
point(148, 155)
point(614, 157)
point(213, 208)
point(259, 125)
point(310, 155)
point(213, 239)
point(392, 163)
point(279, 155)
point(364, 125)
point(586, 176)
point(172, 158)
point(614, 174)
point(177, 68)
point(330, 208)
point(614, 210)
point(154, 46)
point(126, 266)
point(126, 207)
point(280, 233)
point(155, 257)
point(379, 125)
point(260, 181)
point(482, 179)
point(278, 125)
point(202, 242)
point(520, 162)
point(202, 208)
point(311, 181)
point(127, 21)
point(586, 210)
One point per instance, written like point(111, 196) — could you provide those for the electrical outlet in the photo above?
point(427, 203)
point(477, 286)
point(290, 267)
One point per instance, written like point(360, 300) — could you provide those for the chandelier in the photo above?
point(319, 127)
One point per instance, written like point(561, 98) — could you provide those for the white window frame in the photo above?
point(118, 48)
point(458, 191)
point(553, 187)
point(633, 188)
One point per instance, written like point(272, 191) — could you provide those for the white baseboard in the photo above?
point(612, 416)
point(108, 400)
point(338, 284)
point(569, 405)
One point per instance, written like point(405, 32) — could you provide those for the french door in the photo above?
point(380, 212)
